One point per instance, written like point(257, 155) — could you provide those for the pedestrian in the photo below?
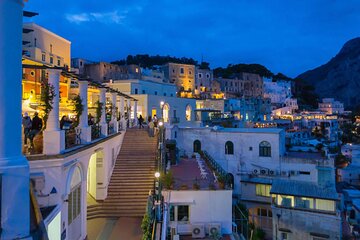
point(36, 127)
point(62, 122)
point(140, 120)
point(151, 129)
point(26, 122)
point(149, 119)
point(155, 120)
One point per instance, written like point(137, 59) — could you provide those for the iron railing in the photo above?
point(95, 131)
point(111, 129)
point(218, 169)
point(241, 219)
point(72, 137)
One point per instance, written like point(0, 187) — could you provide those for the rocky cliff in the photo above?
point(340, 77)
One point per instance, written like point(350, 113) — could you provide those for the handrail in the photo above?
point(217, 167)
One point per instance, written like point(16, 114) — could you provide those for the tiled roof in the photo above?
point(305, 189)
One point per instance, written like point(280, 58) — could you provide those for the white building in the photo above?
point(277, 91)
point(46, 47)
point(150, 95)
point(330, 106)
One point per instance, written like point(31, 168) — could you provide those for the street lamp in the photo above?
point(158, 196)
point(162, 104)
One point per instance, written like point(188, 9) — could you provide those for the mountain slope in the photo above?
point(340, 77)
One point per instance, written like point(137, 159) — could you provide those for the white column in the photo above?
point(135, 110)
point(14, 168)
point(103, 124)
point(54, 138)
point(83, 123)
point(121, 109)
point(129, 112)
point(113, 114)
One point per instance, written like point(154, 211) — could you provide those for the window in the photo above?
point(263, 190)
point(136, 91)
point(284, 236)
point(43, 57)
point(181, 70)
point(51, 48)
point(303, 202)
point(175, 134)
point(207, 76)
point(190, 72)
point(164, 94)
point(81, 63)
point(285, 200)
point(155, 92)
point(229, 148)
point(143, 91)
point(250, 148)
point(263, 212)
point(264, 149)
point(183, 213)
point(200, 75)
point(58, 62)
point(179, 213)
point(325, 205)
point(51, 60)
point(32, 73)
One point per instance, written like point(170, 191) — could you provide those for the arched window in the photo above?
point(188, 113)
point(229, 148)
point(264, 149)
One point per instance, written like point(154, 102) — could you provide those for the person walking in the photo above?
point(26, 122)
point(36, 127)
point(151, 129)
point(141, 120)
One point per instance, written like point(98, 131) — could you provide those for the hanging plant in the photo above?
point(99, 106)
point(47, 99)
point(78, 108)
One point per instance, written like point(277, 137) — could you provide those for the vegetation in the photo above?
point(305, 93)
point(232, 70)
point(147, 61)
point(168, 180)
point(146, 227)
point(99, 106)
point(341, 160)
point(47, 99)
point(78, 109)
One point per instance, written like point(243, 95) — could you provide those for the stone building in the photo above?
point(182, 75)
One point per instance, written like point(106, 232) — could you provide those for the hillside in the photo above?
point(340, 77)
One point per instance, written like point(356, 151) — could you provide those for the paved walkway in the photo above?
point(114, 229)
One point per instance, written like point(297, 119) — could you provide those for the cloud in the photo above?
point(102, 17)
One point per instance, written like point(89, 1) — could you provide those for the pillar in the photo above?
point(122, 115)
point(113, 114)
point(14, 168)
point(54, 138)
point(103, 124)
point(83, 123)
point(129, 112)
point(135, 110)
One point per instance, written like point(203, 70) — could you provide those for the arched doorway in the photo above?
point(166, 110)
point(197, 146)
point(95, 174)
point(75, 203)
point(188, 113)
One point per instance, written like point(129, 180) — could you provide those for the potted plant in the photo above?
point(168, 180)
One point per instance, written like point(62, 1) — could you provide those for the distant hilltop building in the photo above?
point(182, 75)
point(242, 85)
point(277, 91)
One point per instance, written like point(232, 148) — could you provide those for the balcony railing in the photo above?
point(72, 137)
point(95, 131)
point(34, 147)
point(111, 129)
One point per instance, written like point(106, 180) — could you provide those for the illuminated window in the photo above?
point(263, 190)
point(188, 113)
point(285, 200)
point(325, 205)
point(303, 202)
point(264, 149)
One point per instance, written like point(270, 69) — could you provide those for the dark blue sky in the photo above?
point(285, 36)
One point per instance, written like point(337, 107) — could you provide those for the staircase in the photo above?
point(132, 178)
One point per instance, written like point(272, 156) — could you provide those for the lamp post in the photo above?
point(157, 196)
point(162, 104)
